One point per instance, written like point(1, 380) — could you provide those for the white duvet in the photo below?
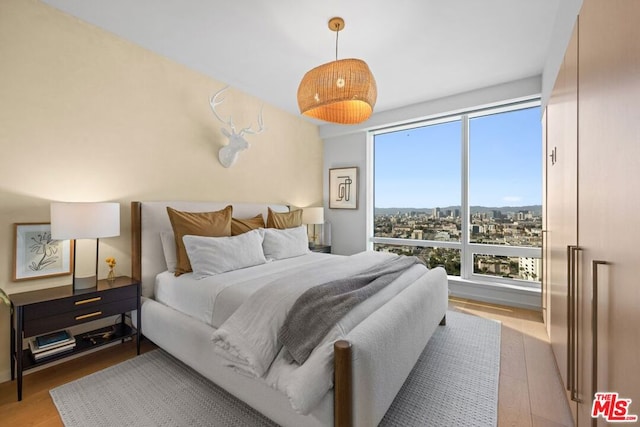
point(247, 340)
point(214, 298)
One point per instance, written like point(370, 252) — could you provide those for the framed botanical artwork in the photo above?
point(37, 255)
point(343, 188)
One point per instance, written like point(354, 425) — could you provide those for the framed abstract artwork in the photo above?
point(37, 255)
point(343, 188)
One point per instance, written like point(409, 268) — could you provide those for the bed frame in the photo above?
point(347, 361)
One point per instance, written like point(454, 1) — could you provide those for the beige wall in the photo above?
point(86, 116)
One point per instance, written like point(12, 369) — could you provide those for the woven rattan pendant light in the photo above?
point(342, 91)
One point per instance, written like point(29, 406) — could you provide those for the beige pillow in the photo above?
point(208, 224)
point(284, 220)
point(240, 226)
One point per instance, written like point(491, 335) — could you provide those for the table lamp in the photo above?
point(313, 216)
point(72, 221)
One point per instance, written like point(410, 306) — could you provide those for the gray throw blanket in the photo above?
point(318, 309)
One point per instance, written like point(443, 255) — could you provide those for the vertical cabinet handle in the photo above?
point(594, 325)
point(573, 315)
point(569, 317)
point(576, 326)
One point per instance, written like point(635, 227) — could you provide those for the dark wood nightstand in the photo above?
point(321, 248)
point(47, 310)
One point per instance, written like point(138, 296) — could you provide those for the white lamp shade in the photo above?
point(313, 215)
point(84, 220)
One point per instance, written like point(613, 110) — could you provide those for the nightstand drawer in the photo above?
point(85, 314)
point(85, 302)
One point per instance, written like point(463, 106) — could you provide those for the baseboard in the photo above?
point(512, 296)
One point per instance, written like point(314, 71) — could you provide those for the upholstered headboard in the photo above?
point(148, 219)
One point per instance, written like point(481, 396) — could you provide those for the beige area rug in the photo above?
point(454, 383)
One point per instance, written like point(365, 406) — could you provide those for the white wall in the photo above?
point(562, 29)
point(348, 233)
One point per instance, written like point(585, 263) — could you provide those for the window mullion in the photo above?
point(370, 188)
point(466, 258)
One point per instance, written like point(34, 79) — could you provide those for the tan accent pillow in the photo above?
point(240, 226)
point(208, 224)
point(282, 220)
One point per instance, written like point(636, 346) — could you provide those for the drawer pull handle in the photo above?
point(87, 301)
point(86, 316)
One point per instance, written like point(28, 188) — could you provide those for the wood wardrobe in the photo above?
point(591, 250)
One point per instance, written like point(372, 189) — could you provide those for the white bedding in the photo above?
point(214, 298)
point(248, 306)
point(248, 339)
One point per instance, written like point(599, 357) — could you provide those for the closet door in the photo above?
point(562, 204)
point(609, 199)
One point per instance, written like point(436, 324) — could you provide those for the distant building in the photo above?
point(494, 266)
point(442, 236)
point(530, 268)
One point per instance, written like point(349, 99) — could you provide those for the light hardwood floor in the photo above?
point(530, 392)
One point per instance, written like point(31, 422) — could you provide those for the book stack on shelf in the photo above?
point(51, 344)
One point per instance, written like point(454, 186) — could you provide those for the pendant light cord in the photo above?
point(337, 32)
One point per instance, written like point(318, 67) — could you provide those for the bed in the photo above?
point(369, 364)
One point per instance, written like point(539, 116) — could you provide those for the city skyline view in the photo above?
point(521, 228)
point(418, 192)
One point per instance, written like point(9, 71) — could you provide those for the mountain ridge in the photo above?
point(473, 209)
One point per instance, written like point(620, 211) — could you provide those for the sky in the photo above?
point(421, 167)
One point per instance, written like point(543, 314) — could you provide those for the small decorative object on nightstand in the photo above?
point(39, 312)
point(111, 262)
point(321, 248)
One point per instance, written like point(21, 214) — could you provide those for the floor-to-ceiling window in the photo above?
point(464, 192)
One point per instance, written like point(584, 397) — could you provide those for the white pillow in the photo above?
point(169, 248)
point(287, 243)
point(215, 255)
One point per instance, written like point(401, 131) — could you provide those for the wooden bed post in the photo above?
point(136, 241)
point(342, 389)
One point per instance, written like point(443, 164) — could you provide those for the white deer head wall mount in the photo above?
point(229, 153)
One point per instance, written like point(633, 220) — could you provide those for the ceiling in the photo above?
point(418, 50)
